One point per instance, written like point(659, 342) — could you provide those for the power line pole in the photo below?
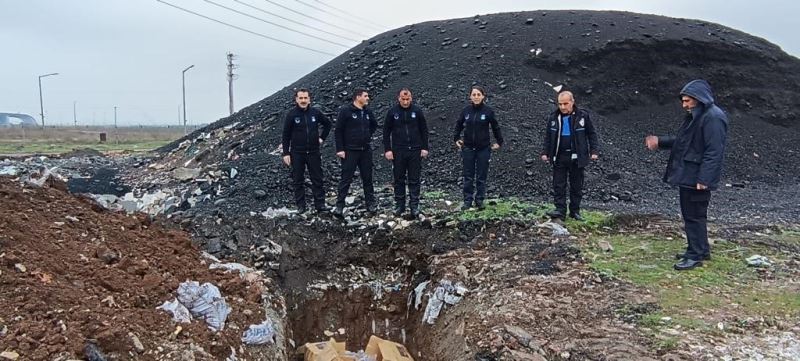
point(183, 91)
point(231, 77)
point(116, 134)
point(75, 112)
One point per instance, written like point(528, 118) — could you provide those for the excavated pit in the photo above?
point(367, 291)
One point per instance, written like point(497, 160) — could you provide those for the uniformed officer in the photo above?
point(405, 142)
point(354, 128)
point(304, 129)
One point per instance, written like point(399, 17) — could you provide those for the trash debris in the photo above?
point(387, 350)
point(9, 170)
point(204, 301)
point(179, 312)
point(271, 213)
point(605, 246)
point(444, 293)
point(242, 269)
point(93, 353)
point(259, 334)
point(321, 351)
point(758, 261)
point(38, 179)
point(9, 355)
point(558, 230)
point(418, 294)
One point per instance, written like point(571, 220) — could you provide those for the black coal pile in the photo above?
point(627, 68)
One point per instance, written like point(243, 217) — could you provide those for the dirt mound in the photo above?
point(626, 67)
point(71, 274)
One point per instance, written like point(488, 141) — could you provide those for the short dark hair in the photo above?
point(478, 88)
point(404, 90)
point(302, 90)
point(358, 91)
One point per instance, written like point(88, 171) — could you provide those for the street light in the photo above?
point(41, 103)
point(183, 83)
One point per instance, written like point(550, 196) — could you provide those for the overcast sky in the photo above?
point(130, 53)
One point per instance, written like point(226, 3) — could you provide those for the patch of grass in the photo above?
point(510, 208)
point(788, 237)
point(593, 220)
point(59, 148)
point(694, 299)
point(434, 195)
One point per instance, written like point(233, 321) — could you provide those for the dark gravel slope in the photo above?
point(626, 67)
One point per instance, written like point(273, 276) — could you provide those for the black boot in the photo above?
point(399, 209)
point(687, 264)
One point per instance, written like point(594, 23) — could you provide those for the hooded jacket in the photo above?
point(354, 128)
point(301, 130)
point(698, 149)
point(475, 121)
point(584, 137)
point(405, 129)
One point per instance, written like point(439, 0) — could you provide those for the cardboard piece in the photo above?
point(384, 350)
point(320, 351)
point(380, 349)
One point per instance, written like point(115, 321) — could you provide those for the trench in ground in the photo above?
point(360, 309)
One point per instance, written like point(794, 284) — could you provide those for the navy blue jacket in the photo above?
point(475, 121)
point(698, 149)
point(583, 138)
point(405, 129)
point(301, 130)
point(354, 128)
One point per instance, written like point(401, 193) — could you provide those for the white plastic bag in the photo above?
point(204, 301)
point(179, 312)
point(259, 334)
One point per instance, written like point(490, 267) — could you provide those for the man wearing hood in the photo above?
point(695, 164)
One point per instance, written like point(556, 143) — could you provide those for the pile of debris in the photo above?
point(78, 280)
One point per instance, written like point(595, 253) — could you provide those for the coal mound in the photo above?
point(627, 68)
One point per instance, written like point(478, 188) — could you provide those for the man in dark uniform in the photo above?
point(354, 128)
point(405, 142)
point(301, 140)
point(695, 165)
point(570, 141)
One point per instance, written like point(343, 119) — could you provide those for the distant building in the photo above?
point(14, 119)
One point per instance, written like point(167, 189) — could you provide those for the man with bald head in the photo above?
point(570, 142)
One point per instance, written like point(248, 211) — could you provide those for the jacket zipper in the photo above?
point(308, 132)
point(558, 135)
point(408, 135)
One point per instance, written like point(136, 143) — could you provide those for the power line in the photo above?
point(326, 11)
point(245, 30)
point(313, 18)
point(275, 24)
point(293, 21)
point(379, 26)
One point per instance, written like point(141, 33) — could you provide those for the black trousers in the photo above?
point(476, 167)
point(565, 168)
point(407, 168)
point(361, 159)
point(312, 162)
point(694, 210)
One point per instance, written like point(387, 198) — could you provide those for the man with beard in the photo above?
point(304, 129)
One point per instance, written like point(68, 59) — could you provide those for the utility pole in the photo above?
point(75, 112)
point(116, 134)
point(231, 77)
point(41, 102)
point(183, 83)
